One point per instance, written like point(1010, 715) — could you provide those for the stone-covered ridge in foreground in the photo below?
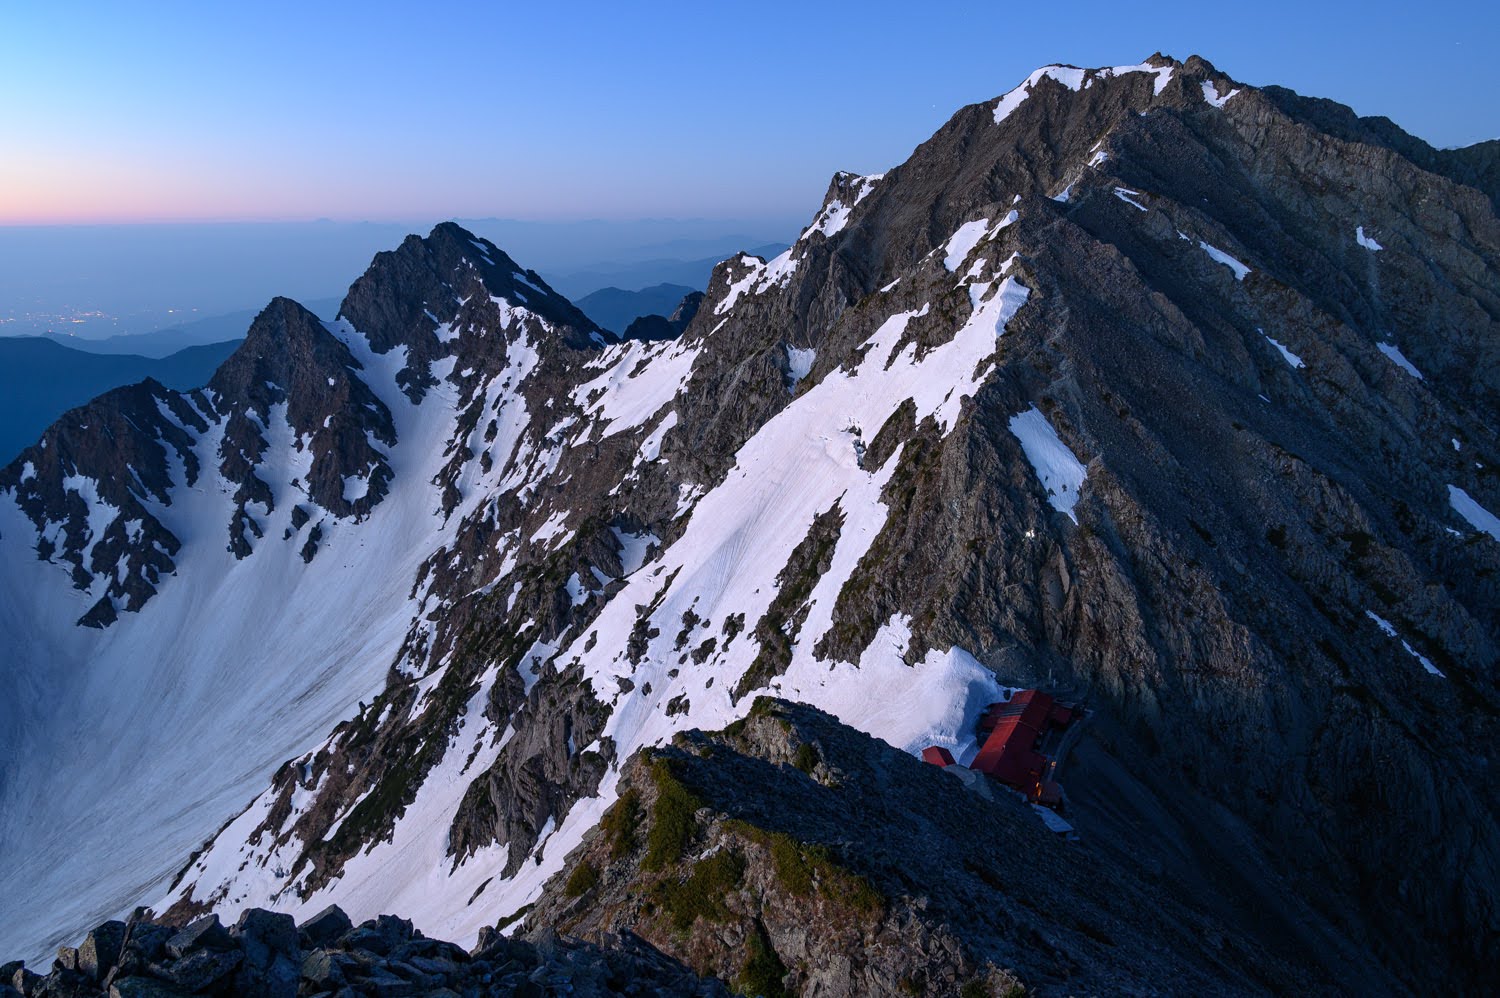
point(269, 955)
point(793, 855)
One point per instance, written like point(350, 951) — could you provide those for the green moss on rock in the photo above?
point(621, 824)
point(703, 893)
point(582, 880)
point(673, 820)
point(762, 974)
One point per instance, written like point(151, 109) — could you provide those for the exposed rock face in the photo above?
point(84, 483)
point(1476, 166)
point(409, 293)
point(127, 440)
point(289, 358)
point(1136, 382)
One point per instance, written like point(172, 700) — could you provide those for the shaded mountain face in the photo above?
point(726, 849)
point(1137, 383)
point(666, 327)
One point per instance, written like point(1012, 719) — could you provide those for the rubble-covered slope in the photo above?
point(268, 955)
point(1137, 382)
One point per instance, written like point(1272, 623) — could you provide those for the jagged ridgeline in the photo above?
point(1138, 384)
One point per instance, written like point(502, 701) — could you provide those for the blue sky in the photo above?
point(144, 112)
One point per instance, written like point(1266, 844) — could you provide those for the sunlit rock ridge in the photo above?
point(1139, 383)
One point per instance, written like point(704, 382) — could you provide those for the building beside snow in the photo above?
point(1021, 740)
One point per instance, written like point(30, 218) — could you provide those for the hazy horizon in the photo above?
point(96, 281)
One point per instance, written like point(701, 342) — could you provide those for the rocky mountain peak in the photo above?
point(288, 357)
point(291, 362)
point(1057, 128)
point(418, 295)
point(92, 486)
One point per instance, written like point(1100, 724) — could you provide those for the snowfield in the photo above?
point(185, 708)
point(804, 462)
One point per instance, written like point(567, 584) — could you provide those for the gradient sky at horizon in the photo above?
point(384, 111)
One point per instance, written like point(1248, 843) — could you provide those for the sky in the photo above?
point(376, 111)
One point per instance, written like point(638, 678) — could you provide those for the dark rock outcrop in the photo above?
point(618, 309)
point(290, 359)
point(118, 451)
point(855, 869)
point(659, 327)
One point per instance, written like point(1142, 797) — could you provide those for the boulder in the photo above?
point(367, 939)
point(261, 933)
point(327, 926)
point(204, 933)
point(323, 970)
point(101, 949)
point(384, 984)
point(272, 959)
point(202, 967)
point(395, 929)
point(24, 980)
point(145, 944)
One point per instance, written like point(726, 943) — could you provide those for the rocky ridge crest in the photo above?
point(1260, 350)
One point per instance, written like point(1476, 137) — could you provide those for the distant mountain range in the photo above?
point(40, 380)
point(615, 309)
point(98, 281)
point(164, 342)
point(640, 274)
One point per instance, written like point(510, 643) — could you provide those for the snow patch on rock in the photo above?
point(1394, 354)
point(799, 362)
point(1292, 359)
point(1060, 473)
point(1389, 630)
point(1163, 74)
point(1476, 515)
point(1211, 94)
point(1068, 76)
point(962, 242)
point(651, 446)
point(1219, 256)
